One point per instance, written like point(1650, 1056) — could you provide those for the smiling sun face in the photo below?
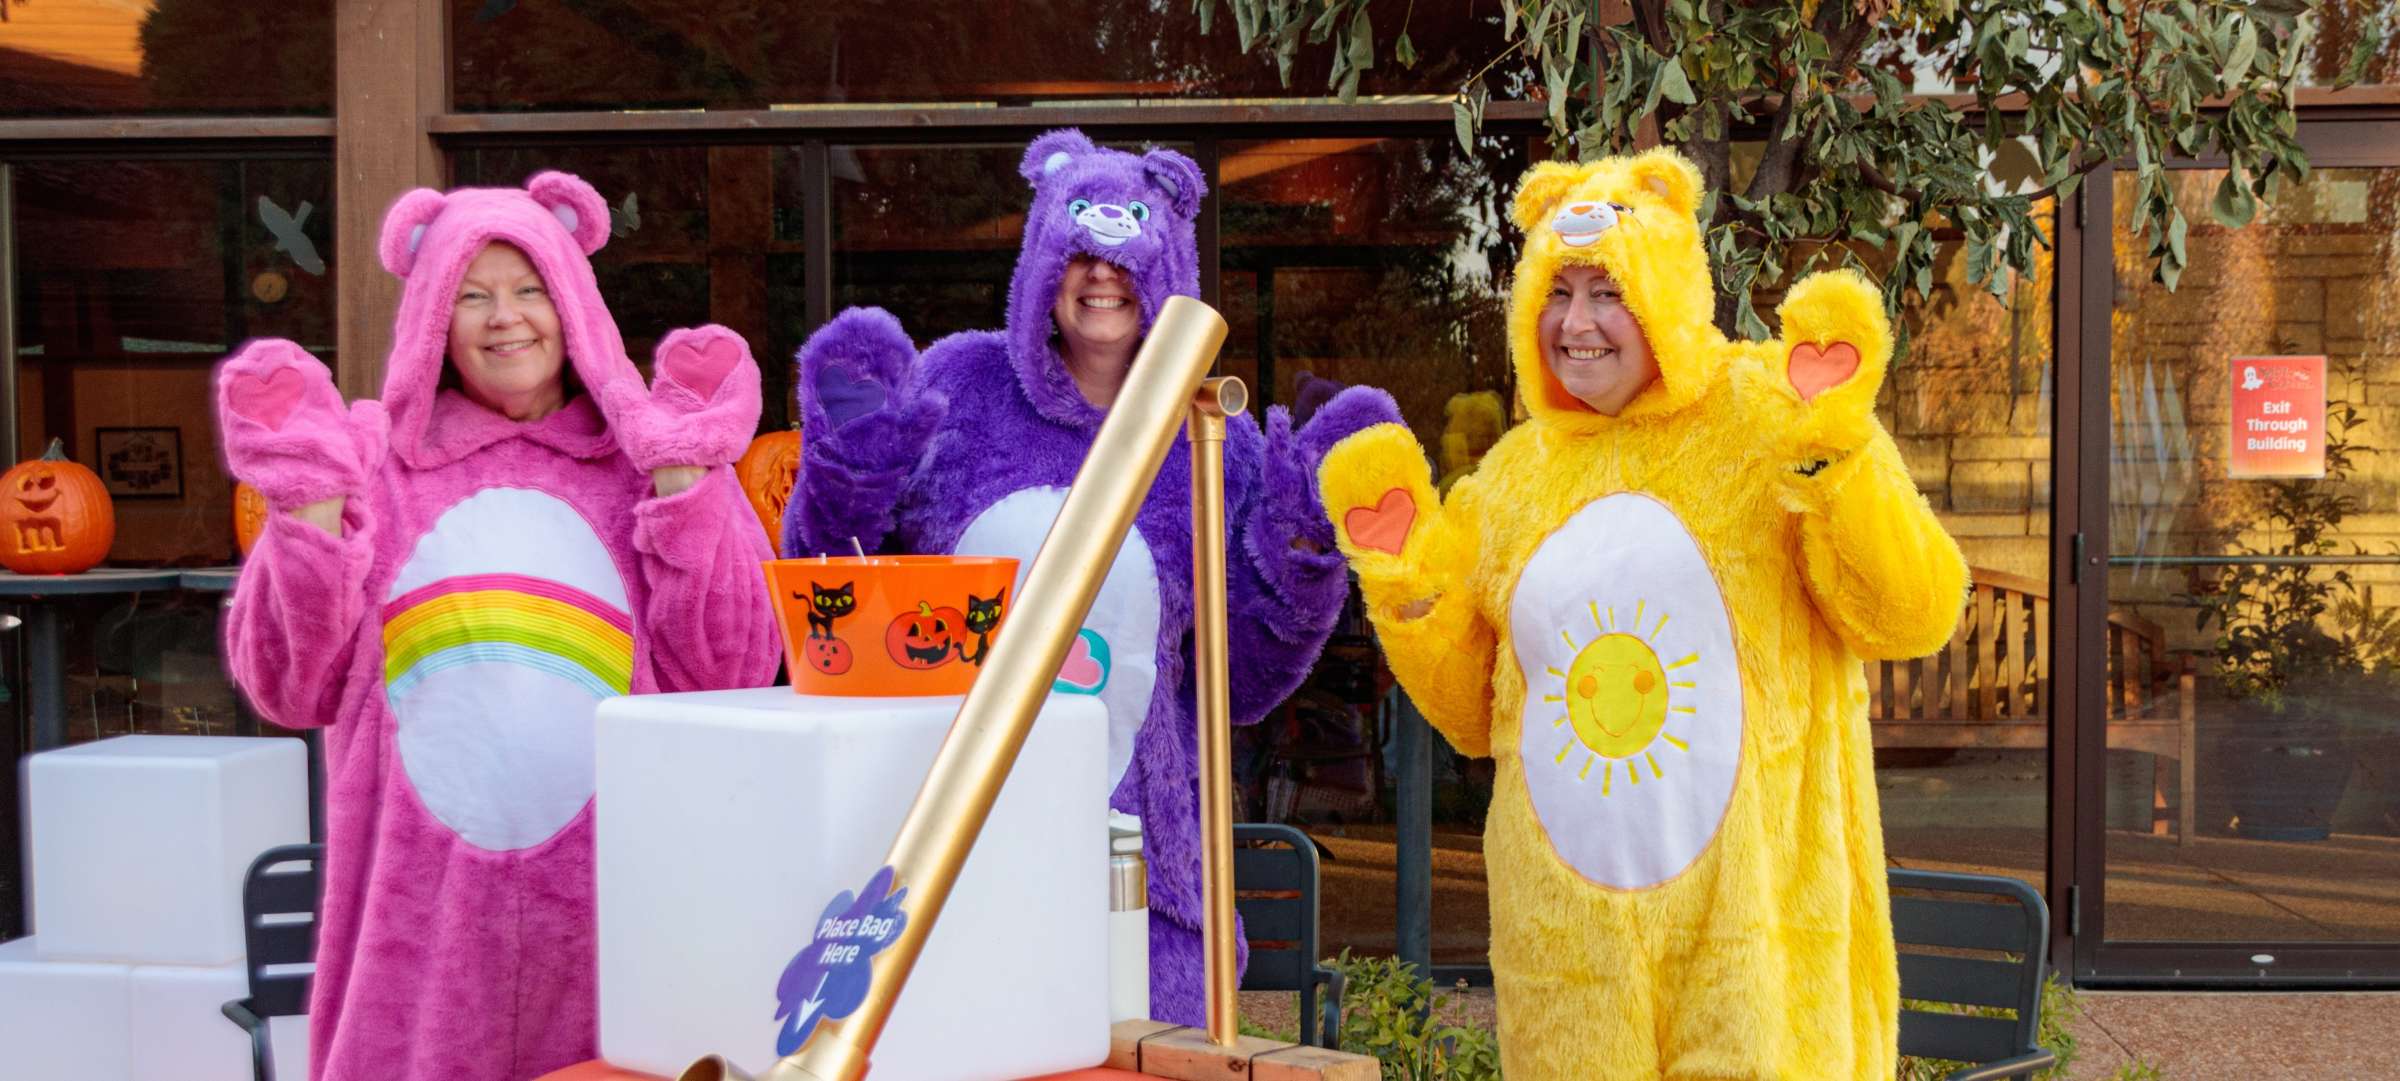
point(1618, 696)
point(1630, 733)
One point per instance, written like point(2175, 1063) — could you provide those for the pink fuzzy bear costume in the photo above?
point(493, 581)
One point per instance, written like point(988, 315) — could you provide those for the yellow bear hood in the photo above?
point(1636, 218)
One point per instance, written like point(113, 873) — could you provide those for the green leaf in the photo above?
point(2233, 207)
point(2245, 48)
point(2370, 44)
point(2177, 230)
point(1405, 51)
point(1362, 43)
point(1673, 85)
point(1463, 121)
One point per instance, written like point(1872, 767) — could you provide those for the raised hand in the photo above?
point(868, 422)
point(700, 409)
point(1836, 344)
point(1378, 495)
point(286, 431)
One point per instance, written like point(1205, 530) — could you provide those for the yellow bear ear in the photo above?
point(1542, 189)
point(1668, 175)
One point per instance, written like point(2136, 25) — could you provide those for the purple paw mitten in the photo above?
point(1290, 539)
point(867, 419)
point(701, 407)
point(286, 432)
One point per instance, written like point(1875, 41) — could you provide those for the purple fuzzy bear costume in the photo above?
point(971, 449)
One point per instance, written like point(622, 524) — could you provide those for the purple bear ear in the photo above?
point(404, 228)
point(575, 205)
point(1179, 177)
point(1050, 152)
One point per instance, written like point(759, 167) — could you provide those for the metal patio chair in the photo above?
point(1980, 945)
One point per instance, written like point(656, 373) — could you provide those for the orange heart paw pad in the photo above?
point(1384, 526)
point(1814, 370)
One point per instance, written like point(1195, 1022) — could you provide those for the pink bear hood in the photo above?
point(428, 239)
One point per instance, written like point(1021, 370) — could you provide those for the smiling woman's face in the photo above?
point(1591, 341)
point(504, 336)
point(1096, 306)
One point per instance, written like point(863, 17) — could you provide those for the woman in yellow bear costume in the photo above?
point(1650, 603)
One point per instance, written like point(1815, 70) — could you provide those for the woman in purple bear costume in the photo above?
point(971, 449)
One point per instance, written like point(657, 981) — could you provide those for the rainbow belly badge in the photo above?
point(505, 629)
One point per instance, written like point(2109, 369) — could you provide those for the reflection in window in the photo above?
point(134, 279)
point(657, 54)
point(2277, 593)
point(1374, 261)
point(929, 234)
point(70, 57)
point(1370, 260)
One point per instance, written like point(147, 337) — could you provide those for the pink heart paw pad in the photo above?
point(270, 399)
point(703, 363)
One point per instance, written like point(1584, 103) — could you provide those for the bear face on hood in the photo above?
point(429, 238)
point(1135, 211)
point(1636, 218)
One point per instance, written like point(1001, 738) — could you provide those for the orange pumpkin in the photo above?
point(55, 517)
point(766, 472)
point(249, 515)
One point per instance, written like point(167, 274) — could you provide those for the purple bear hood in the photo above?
point(1134, 211)
point(427, 241)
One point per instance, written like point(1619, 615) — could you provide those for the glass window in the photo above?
point(930, 234)
point(2254, 565)
point(651, 54)
point(84, 57)
point(133, 279)
point(1375, 261)
point(1962, 737)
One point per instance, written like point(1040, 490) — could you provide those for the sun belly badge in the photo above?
point(1630, 735)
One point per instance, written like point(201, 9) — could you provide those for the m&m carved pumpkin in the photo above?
point(249, 515)
point(766, 472)
point(55, 517)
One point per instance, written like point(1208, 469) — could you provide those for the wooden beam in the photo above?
point(391, 74)
point(153, 129)
point(936, 123)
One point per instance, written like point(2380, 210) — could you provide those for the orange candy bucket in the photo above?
point(889, 626)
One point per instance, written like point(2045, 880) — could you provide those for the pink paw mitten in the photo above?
point(285, 430)
point(701, 407)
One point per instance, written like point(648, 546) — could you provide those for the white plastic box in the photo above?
point(727, 821)
point(63, 1018)
point(139, 843)
point(180, 1030)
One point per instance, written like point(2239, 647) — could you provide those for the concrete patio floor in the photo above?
point(2224, 1036)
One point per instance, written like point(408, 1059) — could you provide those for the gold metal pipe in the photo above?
point(1217, 399)
point(975, 758)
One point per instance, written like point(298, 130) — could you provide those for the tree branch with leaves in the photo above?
point(1891, 125)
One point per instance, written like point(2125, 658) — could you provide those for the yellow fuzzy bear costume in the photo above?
point(1655, 622)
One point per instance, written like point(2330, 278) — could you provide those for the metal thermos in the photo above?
point(1128, 921)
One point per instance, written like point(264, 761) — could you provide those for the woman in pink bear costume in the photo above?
point(453, 577)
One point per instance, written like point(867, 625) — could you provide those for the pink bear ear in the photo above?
point(404, 228)
point(1052, 152)
point(575, 205)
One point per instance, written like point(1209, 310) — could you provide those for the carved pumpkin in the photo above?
point(922, 639)
point(766, 472)
point(828, 655)
point(249, 515)
point(55, 517)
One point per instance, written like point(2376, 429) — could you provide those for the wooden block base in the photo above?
point(1138, 1049)
point(1157, 1049)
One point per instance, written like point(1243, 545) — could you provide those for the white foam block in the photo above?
point(139, 843)
point(63, 1018)
point(180, 1030)
point(728, 820)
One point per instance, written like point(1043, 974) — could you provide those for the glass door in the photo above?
point(2239, 805)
